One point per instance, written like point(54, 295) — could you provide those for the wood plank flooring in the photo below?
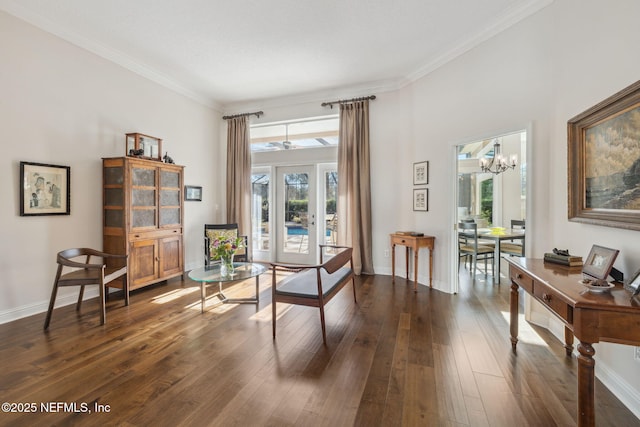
point(396, 358)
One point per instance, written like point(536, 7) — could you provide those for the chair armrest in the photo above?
point(297, 267)
point(334, 246)
point(68, 263)
point(94, 252)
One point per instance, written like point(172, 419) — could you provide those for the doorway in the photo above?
point(490, 199)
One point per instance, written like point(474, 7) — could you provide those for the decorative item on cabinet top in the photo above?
point(144, 146)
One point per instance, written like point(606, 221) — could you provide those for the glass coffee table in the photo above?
point(211, 274)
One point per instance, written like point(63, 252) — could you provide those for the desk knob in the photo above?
point(546, 298)
point(518, 276)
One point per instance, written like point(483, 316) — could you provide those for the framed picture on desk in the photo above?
point(633, 285)
point(599, 262)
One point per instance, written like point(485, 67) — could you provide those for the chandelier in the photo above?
point(498, 163)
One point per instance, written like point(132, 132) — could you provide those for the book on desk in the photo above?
point(409, 233)
point(568, 260)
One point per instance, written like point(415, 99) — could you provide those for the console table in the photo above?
point(592, 317)
point(414, 243)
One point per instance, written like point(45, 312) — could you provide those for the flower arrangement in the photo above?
point(225, 248)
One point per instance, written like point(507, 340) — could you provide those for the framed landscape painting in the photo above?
point(604, 162)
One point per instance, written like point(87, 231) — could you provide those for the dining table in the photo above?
point(497, 235)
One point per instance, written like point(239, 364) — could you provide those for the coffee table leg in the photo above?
point(202, 296)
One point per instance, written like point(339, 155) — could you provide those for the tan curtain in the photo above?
point(239, 174)
point(354, 184)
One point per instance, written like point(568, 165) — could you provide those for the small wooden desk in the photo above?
point(415, 243)
point(592, 318)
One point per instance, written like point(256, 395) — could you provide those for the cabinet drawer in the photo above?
point(155, 234)
point(521, 278)
point(553, 301)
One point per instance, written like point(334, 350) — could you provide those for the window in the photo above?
point(306, 133)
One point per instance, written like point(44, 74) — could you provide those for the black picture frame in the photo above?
point(599, 262)
point(421, 199)
point(45, 189)
point(421, 173)
point(193, 193)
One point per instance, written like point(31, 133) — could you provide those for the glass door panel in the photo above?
point(260, 204)
point(296, 220)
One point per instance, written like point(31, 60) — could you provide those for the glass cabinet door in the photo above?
point(143, 197)
point(170, 196)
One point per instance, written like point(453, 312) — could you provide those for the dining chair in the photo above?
point(224, 231)
point(468, 246)
point(514, 247)
point(78, 267)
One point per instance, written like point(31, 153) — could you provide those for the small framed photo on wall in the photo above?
point(193, 193)
point(421, 173)
point(421, 199)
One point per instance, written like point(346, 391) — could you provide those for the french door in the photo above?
point(296, 216)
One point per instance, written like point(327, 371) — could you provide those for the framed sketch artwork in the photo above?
point(421, 199)
point(44, 189)
point(421, 173)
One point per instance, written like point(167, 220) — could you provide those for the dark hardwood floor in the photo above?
point(395, 358)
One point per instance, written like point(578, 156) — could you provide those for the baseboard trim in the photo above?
point(629, 396)
point(42, 306)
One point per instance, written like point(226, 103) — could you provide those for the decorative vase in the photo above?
point(226, 265)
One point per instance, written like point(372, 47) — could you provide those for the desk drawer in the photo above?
point(553, 302)
point(521, 278)
point(403, 240)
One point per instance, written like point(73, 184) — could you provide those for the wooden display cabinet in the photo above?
point(144, 146)
point(143, 217)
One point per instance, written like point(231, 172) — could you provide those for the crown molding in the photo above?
point(507, 20)
point(16, 9)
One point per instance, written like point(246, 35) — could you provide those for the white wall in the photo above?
point(62, 105)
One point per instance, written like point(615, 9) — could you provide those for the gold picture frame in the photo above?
point(604, 162)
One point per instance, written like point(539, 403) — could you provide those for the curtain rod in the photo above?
point(346, 101)
point(257, 113)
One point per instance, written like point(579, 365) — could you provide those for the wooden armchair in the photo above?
point(86, 273)
point(313, 285)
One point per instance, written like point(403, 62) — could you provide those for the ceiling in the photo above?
point(226, 53)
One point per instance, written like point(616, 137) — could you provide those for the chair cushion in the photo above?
point(304, 284)
point(481, 249)
point(511, 248)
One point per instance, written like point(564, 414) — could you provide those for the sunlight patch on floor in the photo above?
point(264, 315)
point(216, 306)
point(526, 333)
point(173, 295)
